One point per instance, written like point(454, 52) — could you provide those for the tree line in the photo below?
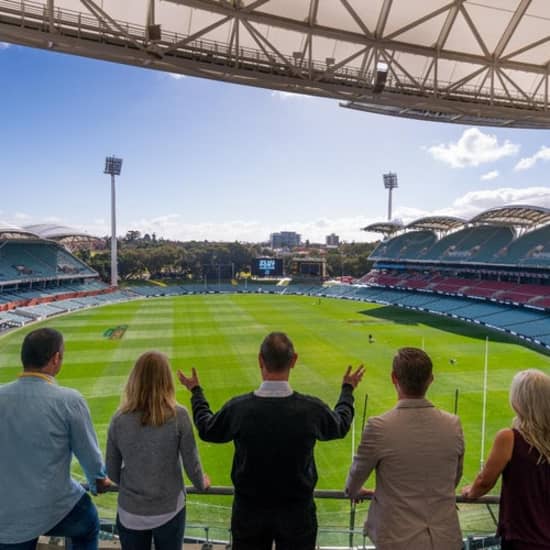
point(146, 256)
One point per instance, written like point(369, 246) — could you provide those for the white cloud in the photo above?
point(472, 149)
point(173, 226)
point(177, 76)
point(527, 162)
point(474, 202)
point(4, 45)
point(490, 175)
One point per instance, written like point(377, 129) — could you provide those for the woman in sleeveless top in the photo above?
point(522, 456)
point(149, 438)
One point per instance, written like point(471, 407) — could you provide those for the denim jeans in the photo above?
point(81, 525)
point(167, 537)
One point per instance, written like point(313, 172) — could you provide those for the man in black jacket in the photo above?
point(274, 430)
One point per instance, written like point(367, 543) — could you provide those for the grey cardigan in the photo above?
point(145, 461)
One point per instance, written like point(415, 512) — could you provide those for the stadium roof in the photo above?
point(54, 231)
point(387, 228)
point(465, 61)
point(516, 215)
point(8, 231)
point(437, 223)
point(68, 236)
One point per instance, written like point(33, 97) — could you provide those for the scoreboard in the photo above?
point(267, 267)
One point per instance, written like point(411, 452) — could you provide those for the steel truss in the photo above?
point(497, 86)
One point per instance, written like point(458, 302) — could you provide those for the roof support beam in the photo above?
point(360, 23)
point(474, 30)
point(256, 16)
point(447, 26)
point(51, 7)
point(196, 35)
point(108, 20)
point(383, 18)
point(417, 22)
point(511, 28)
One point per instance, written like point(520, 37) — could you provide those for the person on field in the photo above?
point(274, 430)
point(42, 426)
point(522, 455)
point(149, 437)
point(417, 452)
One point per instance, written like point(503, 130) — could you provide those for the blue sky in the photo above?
point(210, 160)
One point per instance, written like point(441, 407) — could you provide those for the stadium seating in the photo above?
point(478, 243)
point(531, 249)
point(22, 261)
point(407, 246)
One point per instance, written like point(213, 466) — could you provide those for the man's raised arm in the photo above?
point(215, 428)
point(336, 423)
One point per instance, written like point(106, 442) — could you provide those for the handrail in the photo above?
point(318, 493)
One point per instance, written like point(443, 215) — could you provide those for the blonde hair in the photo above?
point(530, 398)
point(150, 390)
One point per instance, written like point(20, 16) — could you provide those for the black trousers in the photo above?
point(290, 526)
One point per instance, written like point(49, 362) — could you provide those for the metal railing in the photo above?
point(350, 536)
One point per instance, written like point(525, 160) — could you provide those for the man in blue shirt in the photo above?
point(43, 425)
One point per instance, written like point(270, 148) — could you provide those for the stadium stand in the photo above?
point(493, 269)
point(409, 245)
point(39, 261)
point(531, 249)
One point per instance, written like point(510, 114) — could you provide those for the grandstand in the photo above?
point(493, 269)
point(39, 277)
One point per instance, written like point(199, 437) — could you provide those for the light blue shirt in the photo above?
point(41, 426)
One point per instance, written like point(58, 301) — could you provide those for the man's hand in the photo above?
point(190, 383)
point(353, 378)
point(465, 492)
point(206, 482)
point(363, 495)
point(102, 484)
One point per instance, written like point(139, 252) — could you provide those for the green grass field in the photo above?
point(220, 336)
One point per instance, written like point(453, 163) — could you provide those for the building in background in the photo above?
point(332, 240)
point(285, 239)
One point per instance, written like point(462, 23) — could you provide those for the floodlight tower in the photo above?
point(113, 166)
point(390, 183)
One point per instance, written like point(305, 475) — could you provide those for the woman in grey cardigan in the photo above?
point(149, 438)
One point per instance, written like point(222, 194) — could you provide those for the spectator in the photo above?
point(417, 452)
point(522, 456)
point(148, 439)
point(43, 425)
point(274, 430)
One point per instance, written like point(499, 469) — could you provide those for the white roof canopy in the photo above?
point(467, 61)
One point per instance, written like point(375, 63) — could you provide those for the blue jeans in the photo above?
point(81, 525)
point(167, 537)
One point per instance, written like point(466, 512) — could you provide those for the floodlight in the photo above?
point(390, 183)
point(113, 166)
point(390, 180)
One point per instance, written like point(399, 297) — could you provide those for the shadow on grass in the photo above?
point(440, 322)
